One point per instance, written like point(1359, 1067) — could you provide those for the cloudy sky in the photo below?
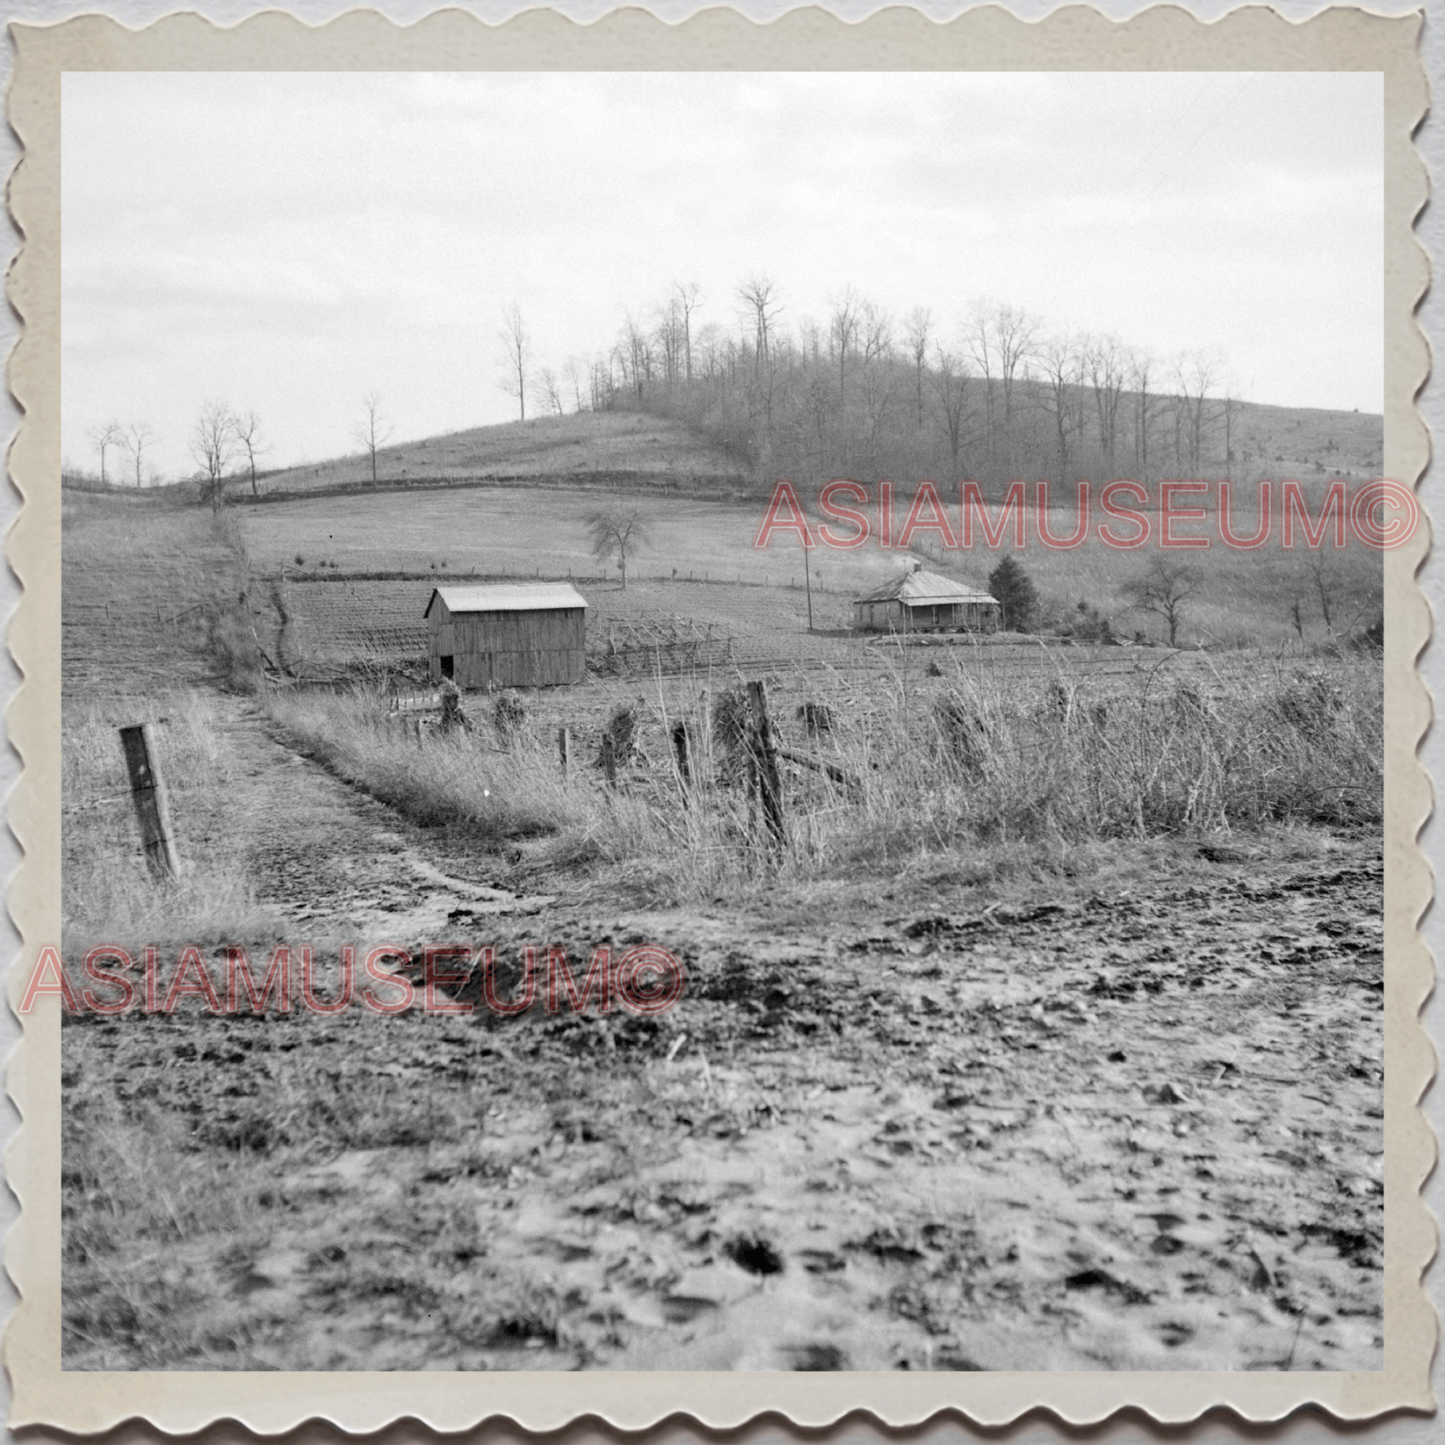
point(287, 243)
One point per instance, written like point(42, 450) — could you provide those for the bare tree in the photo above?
point(574, 370)
point(108, 434)
point(1229, 406)
point(551, 393)
point(372, 430)
point(1194, 375)
point(950, 389)
point(877, 333)
point(843, 330)
point(1000, 337)
point(918, 329)
point(1163, 589)
point(980, 347)
point(618, 532)
point(248, 436)
point(138, 436)
point(1014, 334)
point(1146, 408)
point(685, 299)
point(1060, 396)
point(213, 444)
point(1323, 573)
point(517, 356)
point(1104, 361)
point(757, 295)
point(670, 340)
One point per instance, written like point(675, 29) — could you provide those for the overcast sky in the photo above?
point(289, 242)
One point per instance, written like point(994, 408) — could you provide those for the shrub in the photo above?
point(509, 712)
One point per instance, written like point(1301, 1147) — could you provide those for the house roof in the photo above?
point(922, 589)
point(508, 597)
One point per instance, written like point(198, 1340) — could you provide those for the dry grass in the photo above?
point(106, 891)
point(936, 771)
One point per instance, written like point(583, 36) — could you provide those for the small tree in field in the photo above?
point(138, 436)
point(1163, 589)
point(108, 434)
point(617, 532)
point(248, 436)
point(1011, 588)
point(516, 356)
point(213, 444)
point(371, 431)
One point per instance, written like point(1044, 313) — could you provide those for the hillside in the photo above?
point(605, 446)
point(637, 450)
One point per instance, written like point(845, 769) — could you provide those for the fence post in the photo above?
point(770, 787)
point(564, 748)
point(148, 793)
point(681, 741)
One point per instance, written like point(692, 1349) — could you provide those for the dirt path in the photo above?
point(1134, 1128)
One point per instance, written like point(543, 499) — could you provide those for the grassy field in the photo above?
point(592, 444)
point(1244, 597)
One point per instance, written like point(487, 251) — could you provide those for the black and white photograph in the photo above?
point(723, 721)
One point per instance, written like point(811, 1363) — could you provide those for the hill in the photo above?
point(609, 447)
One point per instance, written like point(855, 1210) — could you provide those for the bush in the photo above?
point(509, 712)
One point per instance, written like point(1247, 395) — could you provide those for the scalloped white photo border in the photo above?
point(990, 39)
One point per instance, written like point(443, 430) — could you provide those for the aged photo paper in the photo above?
point(718, 718)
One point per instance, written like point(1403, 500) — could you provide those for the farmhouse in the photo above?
point(920, 601)
point(528, 634)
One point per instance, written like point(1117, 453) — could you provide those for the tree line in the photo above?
point(222, 442)
point(862, 392)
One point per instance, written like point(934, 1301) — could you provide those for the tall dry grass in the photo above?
point(941, 768)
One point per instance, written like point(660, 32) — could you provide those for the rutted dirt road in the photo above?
point(1129, 1124)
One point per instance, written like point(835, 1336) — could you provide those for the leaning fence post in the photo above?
point(770, 787)
point(564, 749)
point(148, 793)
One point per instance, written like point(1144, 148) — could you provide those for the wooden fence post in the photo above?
point(770, 787)
point(564, 748)
point(148, 793)
point(681, 748)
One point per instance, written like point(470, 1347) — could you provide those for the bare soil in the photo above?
point(1131, 1121)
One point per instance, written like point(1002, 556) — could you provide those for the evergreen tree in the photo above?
point(1010, 585)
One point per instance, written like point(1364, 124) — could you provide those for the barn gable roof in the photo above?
point(508, 597)
point(920, 589)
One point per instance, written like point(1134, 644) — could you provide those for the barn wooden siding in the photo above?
point(532, 648)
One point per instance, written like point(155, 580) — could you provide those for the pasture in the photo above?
point(599, 445)
point(1244, 598)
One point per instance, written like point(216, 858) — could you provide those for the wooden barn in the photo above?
point(512, 634)
point(920, 601)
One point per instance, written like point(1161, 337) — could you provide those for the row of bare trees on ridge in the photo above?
point(865, 393)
